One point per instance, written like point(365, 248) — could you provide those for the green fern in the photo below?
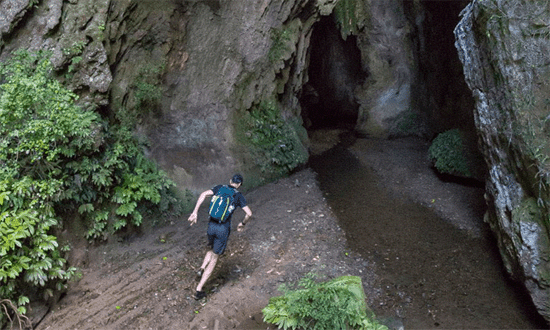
point(333, 305)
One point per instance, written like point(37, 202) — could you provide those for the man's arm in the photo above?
point(202, 197)
point(248, 215)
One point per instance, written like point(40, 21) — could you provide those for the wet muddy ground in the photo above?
point(373, 209)
point(437, 265)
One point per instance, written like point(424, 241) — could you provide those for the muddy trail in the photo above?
point(370, 208)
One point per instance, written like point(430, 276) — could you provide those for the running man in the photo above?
point(218, 233)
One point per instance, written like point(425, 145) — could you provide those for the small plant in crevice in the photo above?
point(74, 56)
point(274, 141)
point(281, 39)
point(335, 304)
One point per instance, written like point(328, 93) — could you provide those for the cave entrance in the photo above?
point(328, 99)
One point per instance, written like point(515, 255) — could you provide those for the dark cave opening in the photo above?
point(441, 93)
point(328, 99)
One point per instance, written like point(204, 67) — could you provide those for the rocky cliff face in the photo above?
point(185, 71)
point(222, 86)
point(504, 48)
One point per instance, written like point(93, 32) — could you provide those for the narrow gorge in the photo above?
point(216, 87)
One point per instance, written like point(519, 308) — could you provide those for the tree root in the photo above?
point(22, 320)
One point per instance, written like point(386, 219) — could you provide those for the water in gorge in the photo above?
point(432, 274)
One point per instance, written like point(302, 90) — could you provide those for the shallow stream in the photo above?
point(432, 274)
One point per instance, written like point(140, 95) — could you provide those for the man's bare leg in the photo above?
point(206, 259)
point(209, 268)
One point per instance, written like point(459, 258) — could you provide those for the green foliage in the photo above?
point(74, 53)
point(275, 143)
point(108, 187)
point(147, 90)
point(76, 48)
point(448, 154)
point(350, 16)
point(336, 304)
point(39, 127)
point(281, 39)
point(56, 158)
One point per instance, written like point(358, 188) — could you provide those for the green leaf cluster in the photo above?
point(109, 186)
point(39, 126)
point(281, 43)
point(447, 152)
point(275, 142)
point(336, 304)
point(56, 158)
point(146, 92)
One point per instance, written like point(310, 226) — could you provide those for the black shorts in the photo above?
point(218, 235)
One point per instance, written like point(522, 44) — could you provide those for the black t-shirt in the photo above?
point(238, 201)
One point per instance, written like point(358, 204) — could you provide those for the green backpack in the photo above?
point(221, 205)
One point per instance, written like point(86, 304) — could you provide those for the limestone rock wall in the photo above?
point(385, 44)
point(69, 29)
point(185, 69)
point(189, 71)
point(217, 59)
point(504, 47)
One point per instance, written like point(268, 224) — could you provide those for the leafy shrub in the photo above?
point(275, 142)
point(108, 187)
point(447, 152)
point(39, 128)
point(56, 158)
point(147, 92)
point(336, 304)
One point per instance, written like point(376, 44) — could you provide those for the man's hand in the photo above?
point(202, 197)
point(247, 216)
point(193, 218)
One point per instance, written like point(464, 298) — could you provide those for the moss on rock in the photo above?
point(350, 16)
point(272, 145)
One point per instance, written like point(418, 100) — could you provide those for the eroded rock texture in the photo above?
point(190, 71)
point(504, 48)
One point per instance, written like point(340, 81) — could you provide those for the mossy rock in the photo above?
point(271, 146)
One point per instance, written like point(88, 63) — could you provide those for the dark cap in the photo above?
point(237, 178)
